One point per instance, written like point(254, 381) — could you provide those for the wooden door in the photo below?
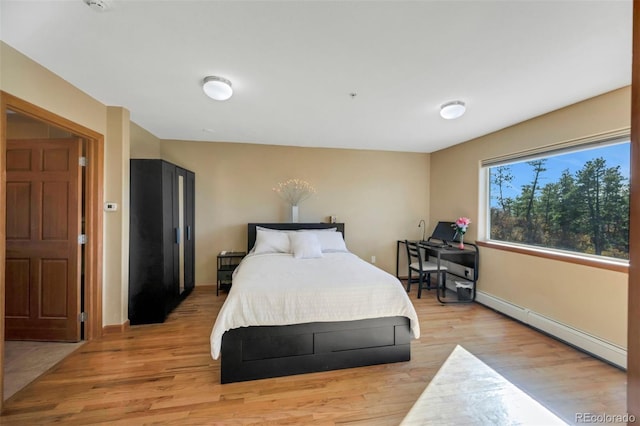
point(43, 262)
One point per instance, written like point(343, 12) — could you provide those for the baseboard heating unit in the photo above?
point(593, 345)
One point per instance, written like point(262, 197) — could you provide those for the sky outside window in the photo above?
point(577, 201)
point(615, 155)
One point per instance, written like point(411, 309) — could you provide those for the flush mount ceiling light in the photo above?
point(452, 110)
point(217, 88)
point(98, 5)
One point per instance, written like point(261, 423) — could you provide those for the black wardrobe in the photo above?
point(161, 239)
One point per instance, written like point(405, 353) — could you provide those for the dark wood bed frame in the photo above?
point(250, 353)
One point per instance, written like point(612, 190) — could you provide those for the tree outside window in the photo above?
point(576, 201)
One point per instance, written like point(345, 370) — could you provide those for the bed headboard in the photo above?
point(251, 235)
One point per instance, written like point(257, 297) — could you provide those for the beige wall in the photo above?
point(116, 190)
point(381, 196)
point(143, 143)
point(589, 299)
point(25, 79)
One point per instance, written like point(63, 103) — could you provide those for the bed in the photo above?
point(292, 310)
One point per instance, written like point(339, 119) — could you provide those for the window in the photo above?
point(573, 198)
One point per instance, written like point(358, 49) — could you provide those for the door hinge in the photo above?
point(82, 239)
point(82, 316)
point(83, 161)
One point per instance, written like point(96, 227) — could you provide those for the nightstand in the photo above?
point(227, 263)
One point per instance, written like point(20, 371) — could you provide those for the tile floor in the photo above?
point(25, 361)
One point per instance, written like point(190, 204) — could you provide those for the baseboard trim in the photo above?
point(586, 342)
point(115, 329)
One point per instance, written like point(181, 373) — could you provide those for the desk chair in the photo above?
point(424, 268)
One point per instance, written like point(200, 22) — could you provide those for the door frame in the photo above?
point(93, 196)
point(633, 313)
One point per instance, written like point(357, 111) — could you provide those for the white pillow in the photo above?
point(305, 245)
point(271, 242)
point(318, 230)
point(329, 241)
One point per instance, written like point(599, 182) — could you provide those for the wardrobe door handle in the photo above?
point(177, 235)
point(188, 233)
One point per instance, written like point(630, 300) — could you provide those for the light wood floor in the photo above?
point(164, 374)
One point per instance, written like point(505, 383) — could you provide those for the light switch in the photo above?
point(110, 207)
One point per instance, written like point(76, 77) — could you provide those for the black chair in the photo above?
point(419, 264)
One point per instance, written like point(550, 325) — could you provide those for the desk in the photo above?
point(461, 261)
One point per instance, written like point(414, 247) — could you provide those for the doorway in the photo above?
point(16, 112)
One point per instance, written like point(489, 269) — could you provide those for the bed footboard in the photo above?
point(251, 353)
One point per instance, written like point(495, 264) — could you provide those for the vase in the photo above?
point(461, 245)
point(294, 214)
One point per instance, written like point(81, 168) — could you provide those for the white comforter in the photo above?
point(276, 289)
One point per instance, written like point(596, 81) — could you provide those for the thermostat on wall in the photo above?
point(110, 207)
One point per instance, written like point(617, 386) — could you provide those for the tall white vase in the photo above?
point(294, 214)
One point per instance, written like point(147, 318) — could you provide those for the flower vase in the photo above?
point(461, 245)
point(294, 214)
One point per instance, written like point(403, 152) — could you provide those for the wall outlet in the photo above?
point(373, 259)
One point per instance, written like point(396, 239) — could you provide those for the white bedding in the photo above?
point(277, 289)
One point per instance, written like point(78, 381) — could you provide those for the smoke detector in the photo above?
point(98, 5)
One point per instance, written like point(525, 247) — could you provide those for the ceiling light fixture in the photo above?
point(98, 5)
point(217, 88)
point(452, 110)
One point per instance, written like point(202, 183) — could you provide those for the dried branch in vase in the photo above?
point(294, 191)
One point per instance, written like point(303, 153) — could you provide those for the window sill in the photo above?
point(612, 265)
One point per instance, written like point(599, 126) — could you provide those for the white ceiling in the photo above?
point(294, 64)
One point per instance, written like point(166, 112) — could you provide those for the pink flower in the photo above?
point(463, 221)
point(461, 224)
